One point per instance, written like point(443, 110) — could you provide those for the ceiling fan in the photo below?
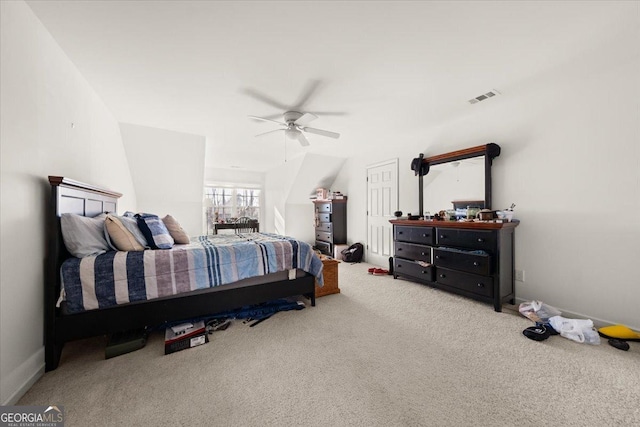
point(294, 126)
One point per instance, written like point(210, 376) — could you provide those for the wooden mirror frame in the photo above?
point(489, 151)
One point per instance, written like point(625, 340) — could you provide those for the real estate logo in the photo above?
point(31, 416)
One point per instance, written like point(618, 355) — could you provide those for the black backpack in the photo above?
point(353, 253)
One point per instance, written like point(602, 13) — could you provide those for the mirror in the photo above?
point(455, 180)
point(459, 181)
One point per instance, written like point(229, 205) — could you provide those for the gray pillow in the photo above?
point(84, 236)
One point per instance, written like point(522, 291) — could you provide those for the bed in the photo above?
point(66, 321)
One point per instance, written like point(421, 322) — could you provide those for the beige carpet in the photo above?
point(384, 352)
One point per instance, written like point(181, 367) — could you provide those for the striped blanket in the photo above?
point(116, 278)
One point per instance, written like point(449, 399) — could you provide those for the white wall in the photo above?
point(278, 183)
point(220, 176)
point(42, 95)
point(570, 161)
point(288, 207)
point(168, 173)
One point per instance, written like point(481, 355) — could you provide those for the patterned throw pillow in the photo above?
point(154, 230)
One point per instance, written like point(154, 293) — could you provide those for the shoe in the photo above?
point(371, 270)
point(380, 272)
point(218, 325)
point(619, 344)
point(537, 333)
point(549, 328)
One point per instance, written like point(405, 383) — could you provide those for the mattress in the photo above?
point(115, 278)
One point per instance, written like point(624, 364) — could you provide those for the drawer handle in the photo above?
point(399, 249)
point(476, 263)
point(442, 276)
point(442, 236)
point(481, 285)
point(399, 232)
point(424, 235)
point(438, 257)
point(480, 239)
point(422, 253)
point(424, 272)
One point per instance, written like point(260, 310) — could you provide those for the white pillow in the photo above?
point(84, 236)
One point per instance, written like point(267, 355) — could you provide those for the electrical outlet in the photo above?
point(520, 275)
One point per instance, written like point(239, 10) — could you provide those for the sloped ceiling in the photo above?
point(393, 69)
point(316, 171)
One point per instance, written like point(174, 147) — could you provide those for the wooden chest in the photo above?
point(330, 273)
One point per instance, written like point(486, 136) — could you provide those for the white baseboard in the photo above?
point(22, 378)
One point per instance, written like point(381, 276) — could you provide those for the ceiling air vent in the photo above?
point(484, 96)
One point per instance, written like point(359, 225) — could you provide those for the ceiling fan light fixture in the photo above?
point(294, 126)
point(291, 133)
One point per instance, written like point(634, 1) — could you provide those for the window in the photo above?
point(231, 203)
point(248, 203)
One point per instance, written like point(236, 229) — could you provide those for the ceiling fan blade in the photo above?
point(309, 90)
point(271, 131)
point(303, 140)
point(266, 120)
point(322, 132)
point(273, 116)
point(305, 119)
point(329, 113)
point(264, 98)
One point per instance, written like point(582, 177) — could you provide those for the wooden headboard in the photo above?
point(76, 197)
point(68, 196)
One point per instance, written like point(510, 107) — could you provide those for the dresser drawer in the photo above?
point(324, 247)
point(412, 251)
point(413, 269)
point(468, 239)
point(324, 217)
point(324, 236)
point(323, 207)
point(324, 226)
point(405, 233)
point(465, 261)
point(480, 285)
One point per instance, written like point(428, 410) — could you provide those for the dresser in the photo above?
point(474, 259)
point(331, 224)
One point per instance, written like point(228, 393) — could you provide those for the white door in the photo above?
point(382, 202)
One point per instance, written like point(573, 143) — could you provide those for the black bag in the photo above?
point(353, 253)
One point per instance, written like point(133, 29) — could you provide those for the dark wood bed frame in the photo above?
point(69, 196)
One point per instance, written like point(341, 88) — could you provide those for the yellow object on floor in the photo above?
point(619, 331)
